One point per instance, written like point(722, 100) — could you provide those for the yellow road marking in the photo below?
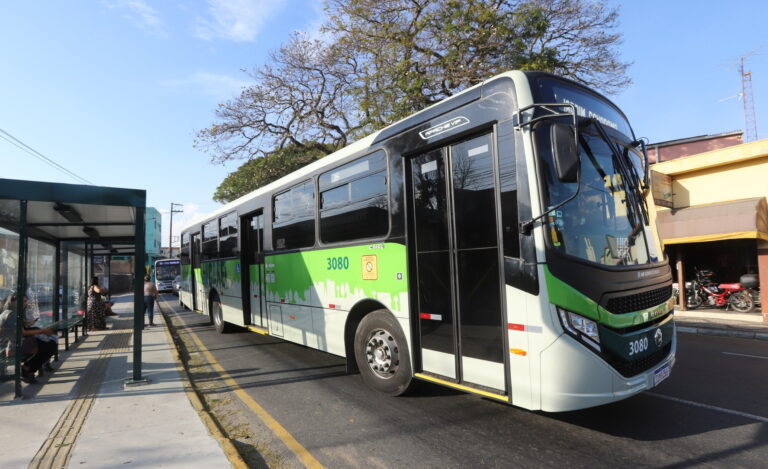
point(461, 387)
point(304, 456)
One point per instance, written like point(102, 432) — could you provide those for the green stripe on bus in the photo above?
point(340, 276)
point(567, 297)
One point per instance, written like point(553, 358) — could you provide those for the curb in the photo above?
point(197, 401)
point(723, 332)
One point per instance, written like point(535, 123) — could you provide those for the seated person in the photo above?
point(46, 343)
point(108, 307)
point(29, 346)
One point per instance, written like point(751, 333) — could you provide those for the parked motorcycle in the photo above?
point(704, 291)
point(751, 283)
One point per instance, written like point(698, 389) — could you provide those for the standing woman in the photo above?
point(150, 294)
point(95, 309)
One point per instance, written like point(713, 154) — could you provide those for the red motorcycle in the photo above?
point(704, 291)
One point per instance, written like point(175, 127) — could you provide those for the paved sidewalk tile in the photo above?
point(100, 423)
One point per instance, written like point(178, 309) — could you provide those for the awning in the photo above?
point(738, 219)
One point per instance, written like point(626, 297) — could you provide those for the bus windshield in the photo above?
point(606, 222)
point(602, 223)
point(167, 270)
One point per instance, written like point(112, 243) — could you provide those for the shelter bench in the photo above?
point(70, 323)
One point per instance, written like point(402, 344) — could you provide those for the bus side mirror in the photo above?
point(564, 152)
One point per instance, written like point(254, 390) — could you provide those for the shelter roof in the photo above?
point(103, 216)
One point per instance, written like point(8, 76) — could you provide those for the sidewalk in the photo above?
point(82, 415)
point(722, 323)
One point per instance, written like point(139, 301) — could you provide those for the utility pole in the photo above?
point(170, 228)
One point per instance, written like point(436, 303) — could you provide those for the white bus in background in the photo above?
point(166, 271)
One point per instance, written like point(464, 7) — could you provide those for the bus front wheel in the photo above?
point(381, 354)
point(218, 318)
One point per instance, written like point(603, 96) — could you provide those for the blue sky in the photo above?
point(114, 90)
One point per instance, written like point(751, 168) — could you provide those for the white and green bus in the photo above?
point(499, 242)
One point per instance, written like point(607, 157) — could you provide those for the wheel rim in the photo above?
point(741, 303)
point(382, 353)
point(217, 315)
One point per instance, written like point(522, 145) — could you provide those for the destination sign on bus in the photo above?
point(586, 104)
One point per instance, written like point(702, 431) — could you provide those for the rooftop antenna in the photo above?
point(747, 99)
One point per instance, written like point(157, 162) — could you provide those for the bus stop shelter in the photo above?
point(49, 234)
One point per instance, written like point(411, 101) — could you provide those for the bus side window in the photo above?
point(293, 222)
point(508, 178)
point(519, 251)
point(228, 235)
point(354, 200)
point(185, 259)
point(210, 248)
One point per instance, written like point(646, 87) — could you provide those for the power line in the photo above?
point(26, 148)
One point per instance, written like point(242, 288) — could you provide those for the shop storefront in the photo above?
point(716, 213)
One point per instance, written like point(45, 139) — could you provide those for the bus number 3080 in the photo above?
point(637, 346)
point(338, 263)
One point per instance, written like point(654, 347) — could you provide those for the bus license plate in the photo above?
point(661, 374)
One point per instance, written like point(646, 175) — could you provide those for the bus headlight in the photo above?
point(580, 327)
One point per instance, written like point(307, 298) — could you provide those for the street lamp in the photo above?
point(170, 228)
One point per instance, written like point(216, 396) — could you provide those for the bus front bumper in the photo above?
point(572, 377)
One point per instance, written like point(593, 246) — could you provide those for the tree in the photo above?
point(380, 60)
point(299, 99)
point(414, 53)
point(258, 172)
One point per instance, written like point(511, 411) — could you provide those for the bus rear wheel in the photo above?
point(218, 318)
point(381, 354)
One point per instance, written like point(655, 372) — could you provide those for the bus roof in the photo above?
point(338, 155)
point(167, 261)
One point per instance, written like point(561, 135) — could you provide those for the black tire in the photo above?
point(381, 353)
point(693, 301)
point(217, 318)
point(741, 302)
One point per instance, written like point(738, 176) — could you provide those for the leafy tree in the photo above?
point(417, 52)
point(258, 172)
point(380, 60)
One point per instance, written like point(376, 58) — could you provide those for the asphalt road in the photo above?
point(711, 412)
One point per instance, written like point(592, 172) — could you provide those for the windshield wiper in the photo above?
point(633, 187)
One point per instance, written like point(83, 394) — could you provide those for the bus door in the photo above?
point(254, 254)
point(197, 281)
point(457, 254)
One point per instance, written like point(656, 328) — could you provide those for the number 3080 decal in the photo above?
point(337, 263)
point(637, 346)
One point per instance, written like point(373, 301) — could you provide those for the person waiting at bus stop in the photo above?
point(96, 309)
point(150, 295)
point(36, 351)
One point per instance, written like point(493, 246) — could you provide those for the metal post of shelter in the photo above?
point(21, 290)
point(56, 286)
point(138, 297)
point(88, 266)
point(109, 277)
point(65, 292)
